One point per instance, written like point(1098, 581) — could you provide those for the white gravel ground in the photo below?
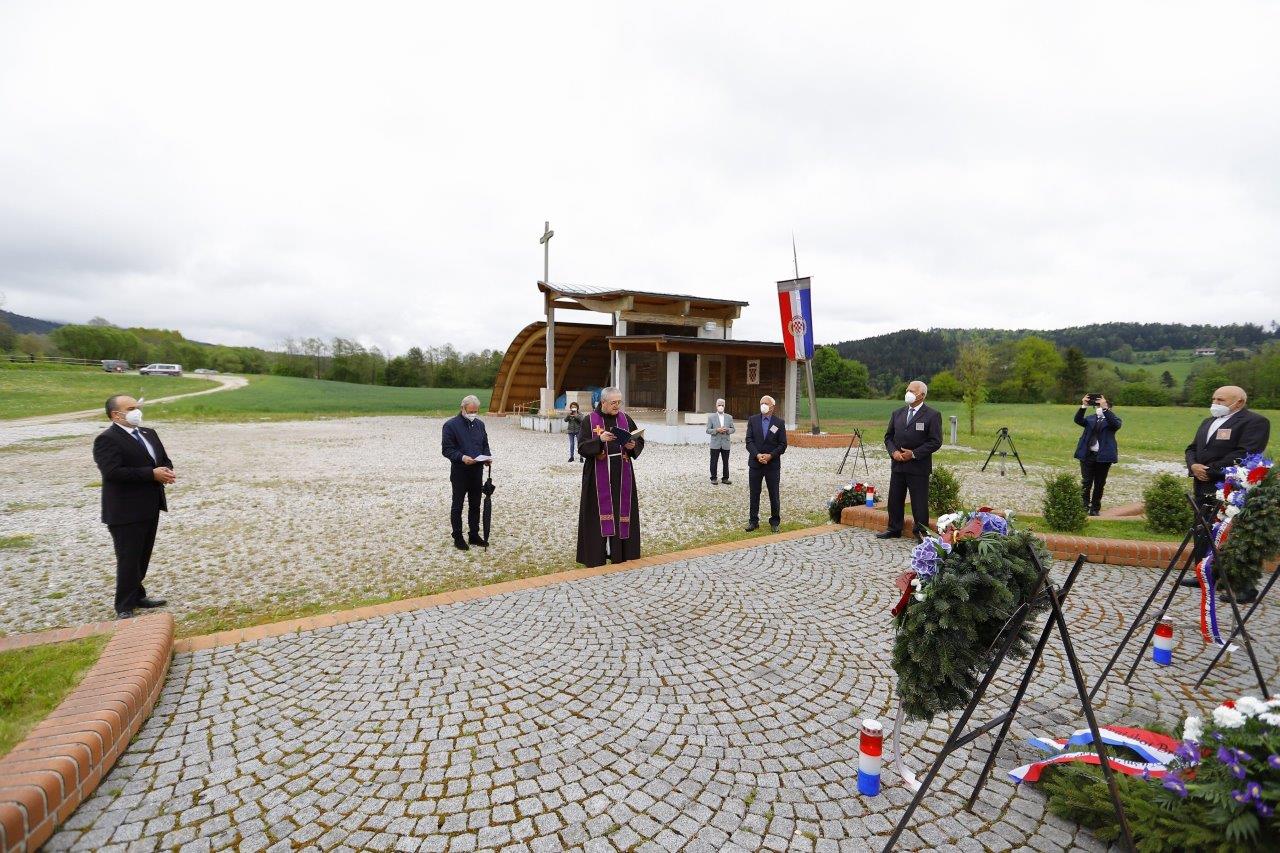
point(312, 511)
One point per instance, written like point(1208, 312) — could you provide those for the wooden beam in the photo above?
point(607, 306)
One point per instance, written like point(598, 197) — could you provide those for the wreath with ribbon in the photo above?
point(854, 494)
point(1250, 493)
point(957, 596)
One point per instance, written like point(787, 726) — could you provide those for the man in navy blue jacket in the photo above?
point(1096, 449)
point(466, 445)
point(766, 442)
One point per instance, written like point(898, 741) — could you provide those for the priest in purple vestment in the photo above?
point(609, 513)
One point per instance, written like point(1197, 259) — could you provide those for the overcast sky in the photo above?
point(249, 172)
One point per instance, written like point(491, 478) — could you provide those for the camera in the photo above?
point(1092, 399)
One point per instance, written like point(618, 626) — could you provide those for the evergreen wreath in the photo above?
point(1255, 534)
point(968, 584)
point(854, 494)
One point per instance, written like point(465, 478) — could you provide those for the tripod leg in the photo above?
point(1222, 650)
point(847, 451)
point(992, 453)
point(1099, 747)
point(1137, 620)
point(1009, 439)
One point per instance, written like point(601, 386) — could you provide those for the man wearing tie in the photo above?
point(1228, 435)
point(766, 442)
point(135, 469)
point(720, 427)
point(914, 434)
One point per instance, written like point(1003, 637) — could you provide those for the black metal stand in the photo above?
point(862, 453)
point(1239, 631)
point(1003, 437)
point(1201, 526)
point(960, 738)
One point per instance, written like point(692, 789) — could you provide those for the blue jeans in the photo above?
point(573, 445)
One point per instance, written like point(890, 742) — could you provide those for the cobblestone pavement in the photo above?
point(283, 515)
point(712, 704)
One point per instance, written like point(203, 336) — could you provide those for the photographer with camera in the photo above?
point(1096, 448)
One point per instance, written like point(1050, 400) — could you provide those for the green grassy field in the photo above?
point(284, 397)
point(37, 391)
point(1178, 368)
point(1042, 432)
point(33, 681)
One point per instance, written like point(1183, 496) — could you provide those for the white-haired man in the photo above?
point(766, 442)
point(913, 436)
point(609, 508)
point(720, 427)
point(465, 443)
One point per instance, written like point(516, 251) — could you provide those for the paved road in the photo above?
point(705, 705)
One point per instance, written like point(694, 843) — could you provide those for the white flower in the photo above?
point(1272, 703)
point(1232, 511)
point(1270, 718)
point(945, 521)
point(1193, 729)
point(915, 583)
point(1249, 706)
point(919, 596)
point(1222, 495)
point(1227, 718)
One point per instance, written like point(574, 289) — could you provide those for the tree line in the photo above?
point(338, 359)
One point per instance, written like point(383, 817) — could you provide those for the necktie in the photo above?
point(137, 436)
point(911, 413)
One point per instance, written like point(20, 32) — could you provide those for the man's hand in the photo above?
point(164, 475)
point(1200, 472)
point(897, 456)
point(1102, 401)
point(1084, 401)
point(467, 460)
point(630, 445)
point(608, 436)
point(488, 462)
point(907, 455)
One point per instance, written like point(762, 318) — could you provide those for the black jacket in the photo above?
point(461, 437)
point(774, 442)
point(1243, 433)
point(130, 492)
point(923, 436)
point(1108, 451)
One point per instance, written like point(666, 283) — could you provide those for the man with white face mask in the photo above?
point(465, 443)
point(913, 436)
point(720, 427)
point(766, 442)
point(135, 469)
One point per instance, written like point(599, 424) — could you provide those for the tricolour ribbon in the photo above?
point(1208, 586)
point(1031, 772)
point(1156, 749)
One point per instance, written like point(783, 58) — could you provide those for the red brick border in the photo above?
point(1120, 552)
point(798, 438)
point(62, 760)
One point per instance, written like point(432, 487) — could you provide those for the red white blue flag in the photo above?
point(797, 318)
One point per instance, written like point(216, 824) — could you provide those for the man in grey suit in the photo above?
point(720, 427)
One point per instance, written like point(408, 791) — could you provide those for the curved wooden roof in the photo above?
point(582, 360)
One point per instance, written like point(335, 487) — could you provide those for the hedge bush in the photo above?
point(944, 491)
point(1168, 510)
point(1063, 506)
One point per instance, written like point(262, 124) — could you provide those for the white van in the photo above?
point(161, 370)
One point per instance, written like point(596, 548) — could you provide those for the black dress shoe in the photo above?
point(1094, 513)
point(1246, 596)
point(725, 483)
point(773, 527)
point(476, 540)
point(148, 603)
point(751, 527)
point(714, 481)
point(461, 545)
point(1189, 581)
point(124, 614)
point(889, 534)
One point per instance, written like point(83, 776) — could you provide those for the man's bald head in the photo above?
point(1231, 396)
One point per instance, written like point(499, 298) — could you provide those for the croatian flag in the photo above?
point(797, 318)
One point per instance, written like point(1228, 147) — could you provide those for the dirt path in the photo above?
point(226, 383)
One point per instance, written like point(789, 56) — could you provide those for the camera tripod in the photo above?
point(862, 453)
point(1003, 437)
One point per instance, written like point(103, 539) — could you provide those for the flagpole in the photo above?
point(808, 364)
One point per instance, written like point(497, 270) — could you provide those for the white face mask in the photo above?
point(720, 409)
point(764, 409)
point(471, 416)
point(1219, 411)
point(909, 398)
point(1099, 411)
point(133, 417)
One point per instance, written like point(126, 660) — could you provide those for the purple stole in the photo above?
point(604, 487)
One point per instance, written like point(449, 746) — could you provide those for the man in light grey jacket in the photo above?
point(720, 427)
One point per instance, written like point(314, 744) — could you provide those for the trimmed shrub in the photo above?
point(944, 491)
point(1063, 506)
point(1168, 510)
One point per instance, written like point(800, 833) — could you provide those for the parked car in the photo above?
point(161, 370)
point(112, 365)
point(205, 371)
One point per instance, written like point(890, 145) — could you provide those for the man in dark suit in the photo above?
point(135, 469)
point(914, 434)
point(766, 442)
point(1096, 449)
point(1230, 433)
point(465, 443)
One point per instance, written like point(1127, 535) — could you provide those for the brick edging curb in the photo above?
point(824, 440)
point(405, 605)
point(60, 763)
point(1116, 552)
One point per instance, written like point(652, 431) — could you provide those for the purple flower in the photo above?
point(1264, 811)
point(1253, 791)
point(992, 523)
point(1175, 784)
point(925, 559)
point(1241, 755)
point(1188, 752)
point(1146, 774)
point(1240, 797)
point(1274, 761)
point(1226, 756)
